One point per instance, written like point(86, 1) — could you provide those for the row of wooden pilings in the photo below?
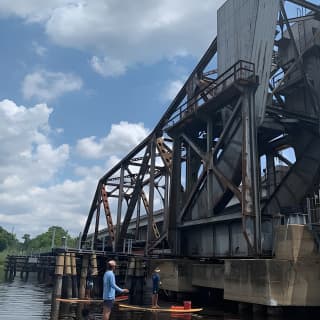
point(66, 278)
point(42, 265)
point(72, 270)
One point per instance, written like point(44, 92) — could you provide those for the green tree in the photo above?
point(26, 238)
point(7, 239)
point(54, 234)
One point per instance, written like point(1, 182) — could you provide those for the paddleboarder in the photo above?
point(109, 289)
point(89, 284)
point(155, 287)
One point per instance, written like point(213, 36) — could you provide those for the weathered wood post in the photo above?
point(6, 268)
point(83, 276)
point(74, 275)
point(94, 272)
point(14, 267)
point(67, 273)
point(57, 286)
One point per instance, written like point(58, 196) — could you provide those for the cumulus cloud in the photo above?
point(120, 140)
point(32, 10)
point(30, 190)
point(65, 204)
point(120, 34)
point(45, 85)
point(32, 187)
point(108, 67)
point(27, 157)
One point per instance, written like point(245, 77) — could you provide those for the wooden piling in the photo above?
point(6, 269)
point(14, 267)
point(83, 276)
point(94, 274)
point(67, 274)
point(94, 268)
point(74, 276)
point(57, 286)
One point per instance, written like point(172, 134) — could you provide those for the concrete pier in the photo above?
point(290, 278)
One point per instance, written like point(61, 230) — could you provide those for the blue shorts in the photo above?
point(108, 304)
point(155, 290)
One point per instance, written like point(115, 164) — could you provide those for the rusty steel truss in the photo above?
point(236, 152)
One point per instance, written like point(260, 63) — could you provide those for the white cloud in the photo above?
point(32, 10)
point(172, 89)
point(45, 85)
point(27, 157)
point(31, 197)
point(38, 49)
point(123, 33)
point(108, 67)
point(121, 139)
point(34, 194)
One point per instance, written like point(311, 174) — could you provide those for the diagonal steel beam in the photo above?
point(206, 58)
point(135, 195)
point(93, 208)
point(227, 127)
point(200, 153)
point(192, 195)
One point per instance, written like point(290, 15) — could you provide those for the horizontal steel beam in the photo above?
point(216, 219)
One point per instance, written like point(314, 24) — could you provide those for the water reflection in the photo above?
point(31, 300)
point(24, 300)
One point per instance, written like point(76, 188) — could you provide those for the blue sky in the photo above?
point(83, 82)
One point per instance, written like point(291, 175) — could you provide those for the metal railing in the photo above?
point(313, 210)
point(242, 71)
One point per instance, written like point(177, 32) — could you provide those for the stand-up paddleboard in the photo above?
point(138, 308)
point(75, 300)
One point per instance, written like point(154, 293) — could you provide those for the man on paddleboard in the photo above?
point(109, 289)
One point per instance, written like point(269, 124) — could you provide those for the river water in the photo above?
point(32, 301)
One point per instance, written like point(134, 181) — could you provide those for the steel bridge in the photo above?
point(236, 153)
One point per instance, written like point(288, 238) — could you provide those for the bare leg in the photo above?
point(156, 301)
point(153, 301)
point(106, 313)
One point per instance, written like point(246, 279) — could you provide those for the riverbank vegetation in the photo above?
point(55, 236)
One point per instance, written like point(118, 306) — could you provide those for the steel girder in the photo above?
point(203, 159)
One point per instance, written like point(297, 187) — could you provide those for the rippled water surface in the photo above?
point(24, 300)
point(31, 300)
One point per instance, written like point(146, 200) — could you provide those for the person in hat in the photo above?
point(155, 287)
point(109, 289)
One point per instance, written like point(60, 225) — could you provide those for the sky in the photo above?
point(83, 82)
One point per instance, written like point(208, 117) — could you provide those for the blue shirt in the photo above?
point(109, 286)
point(155, 281)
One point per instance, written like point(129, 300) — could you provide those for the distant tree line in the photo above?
point(55, 236)
point(7, 239)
